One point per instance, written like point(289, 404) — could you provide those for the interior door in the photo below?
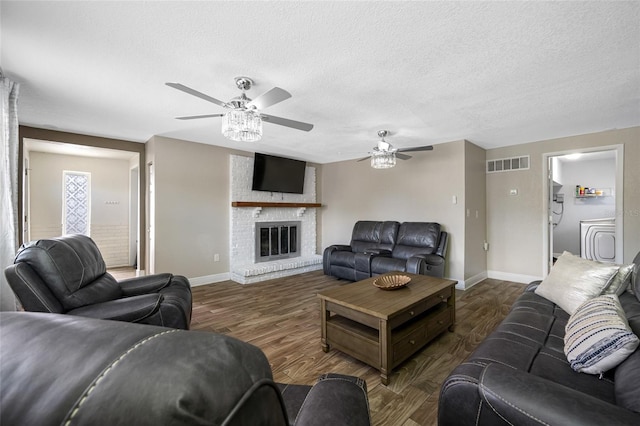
point(550, 161)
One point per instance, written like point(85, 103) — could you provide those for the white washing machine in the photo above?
point(598, 239)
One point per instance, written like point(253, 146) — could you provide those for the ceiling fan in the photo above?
point(243, 121)
point(384, 154)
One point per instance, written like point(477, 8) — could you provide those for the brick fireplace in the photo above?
point(245, 263)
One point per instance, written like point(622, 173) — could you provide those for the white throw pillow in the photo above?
point(597, 336)
point(620, 281)
point(573, 280)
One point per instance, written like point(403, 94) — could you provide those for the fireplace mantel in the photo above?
point(259, 205)
point(272, 204)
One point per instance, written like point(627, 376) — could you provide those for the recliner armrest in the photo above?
point(336, 400)
point(426, 264)
point(522, 398)
point(129, 309)
point(146, 284)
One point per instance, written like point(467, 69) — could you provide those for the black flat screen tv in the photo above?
point(278, 174)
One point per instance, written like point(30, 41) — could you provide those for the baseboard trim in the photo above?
point(209, 279)
point(508, 276)
point(471, 281)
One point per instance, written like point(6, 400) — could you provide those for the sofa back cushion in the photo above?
point(627, 374)
point(72, 268)
point(416, 238)
point(373, 234)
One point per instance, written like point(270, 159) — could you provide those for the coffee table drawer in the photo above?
point(419, 308)
point(439, 323)
point(407, 345)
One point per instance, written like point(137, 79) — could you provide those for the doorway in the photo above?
point(584, 188)
point(118, 206)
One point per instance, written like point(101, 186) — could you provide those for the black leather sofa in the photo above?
point(519, 375)
point(70, 370)
point(67, 275)
point(379, 247)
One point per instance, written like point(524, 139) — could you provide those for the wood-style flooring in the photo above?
point(282, 317)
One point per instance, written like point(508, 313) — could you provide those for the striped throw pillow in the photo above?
point(597, 336)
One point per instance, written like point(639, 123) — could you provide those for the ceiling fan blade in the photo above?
point(403, 156)
point(418, 148)
point(193, 92)
point(362, 159)
point(192, 117)
point(286, 122)
point(269, 98)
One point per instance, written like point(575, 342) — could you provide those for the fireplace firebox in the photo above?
point(277, 240)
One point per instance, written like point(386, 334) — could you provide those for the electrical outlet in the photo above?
point(216, 257)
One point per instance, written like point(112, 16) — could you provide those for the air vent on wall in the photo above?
point(508, 164)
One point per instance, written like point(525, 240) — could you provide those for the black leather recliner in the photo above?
point(68, 370)
point(68, 275)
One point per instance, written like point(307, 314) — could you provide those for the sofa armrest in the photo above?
point(129, 309)
point(144, 285)
point(525, 399)
point(336, 400)
point(326, 256)
point(532, 285)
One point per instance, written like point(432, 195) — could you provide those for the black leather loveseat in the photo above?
point(520, 375)
point(70, 370)
point(380, 247)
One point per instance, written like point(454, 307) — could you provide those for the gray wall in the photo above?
point(419, 189)
point(191, 206)
point(515, 223)
point(193, 203)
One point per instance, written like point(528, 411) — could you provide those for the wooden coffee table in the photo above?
point(385, 327)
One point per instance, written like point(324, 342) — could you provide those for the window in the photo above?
point(76, 203)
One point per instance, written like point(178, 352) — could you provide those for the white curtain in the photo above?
point(8, 185)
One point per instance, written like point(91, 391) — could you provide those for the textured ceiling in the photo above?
point(494, 73)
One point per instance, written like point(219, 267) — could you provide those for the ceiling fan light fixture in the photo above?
point(383, 159)
point(242, 126)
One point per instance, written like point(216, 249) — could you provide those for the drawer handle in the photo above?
point(441, 297)
point(413, 342)
point(440, 322)
point(411, 313)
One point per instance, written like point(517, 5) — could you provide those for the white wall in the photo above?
point(109, 201)
point(591, 173)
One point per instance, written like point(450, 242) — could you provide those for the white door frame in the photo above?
point(547, 250)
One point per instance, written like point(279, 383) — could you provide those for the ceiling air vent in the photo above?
point(508, 164)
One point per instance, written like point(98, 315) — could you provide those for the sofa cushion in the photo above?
point(373, 234)
point(598, 336)
point(573, 280)
point(415, 238)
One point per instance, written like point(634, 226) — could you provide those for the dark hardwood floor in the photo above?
point(282, 317)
